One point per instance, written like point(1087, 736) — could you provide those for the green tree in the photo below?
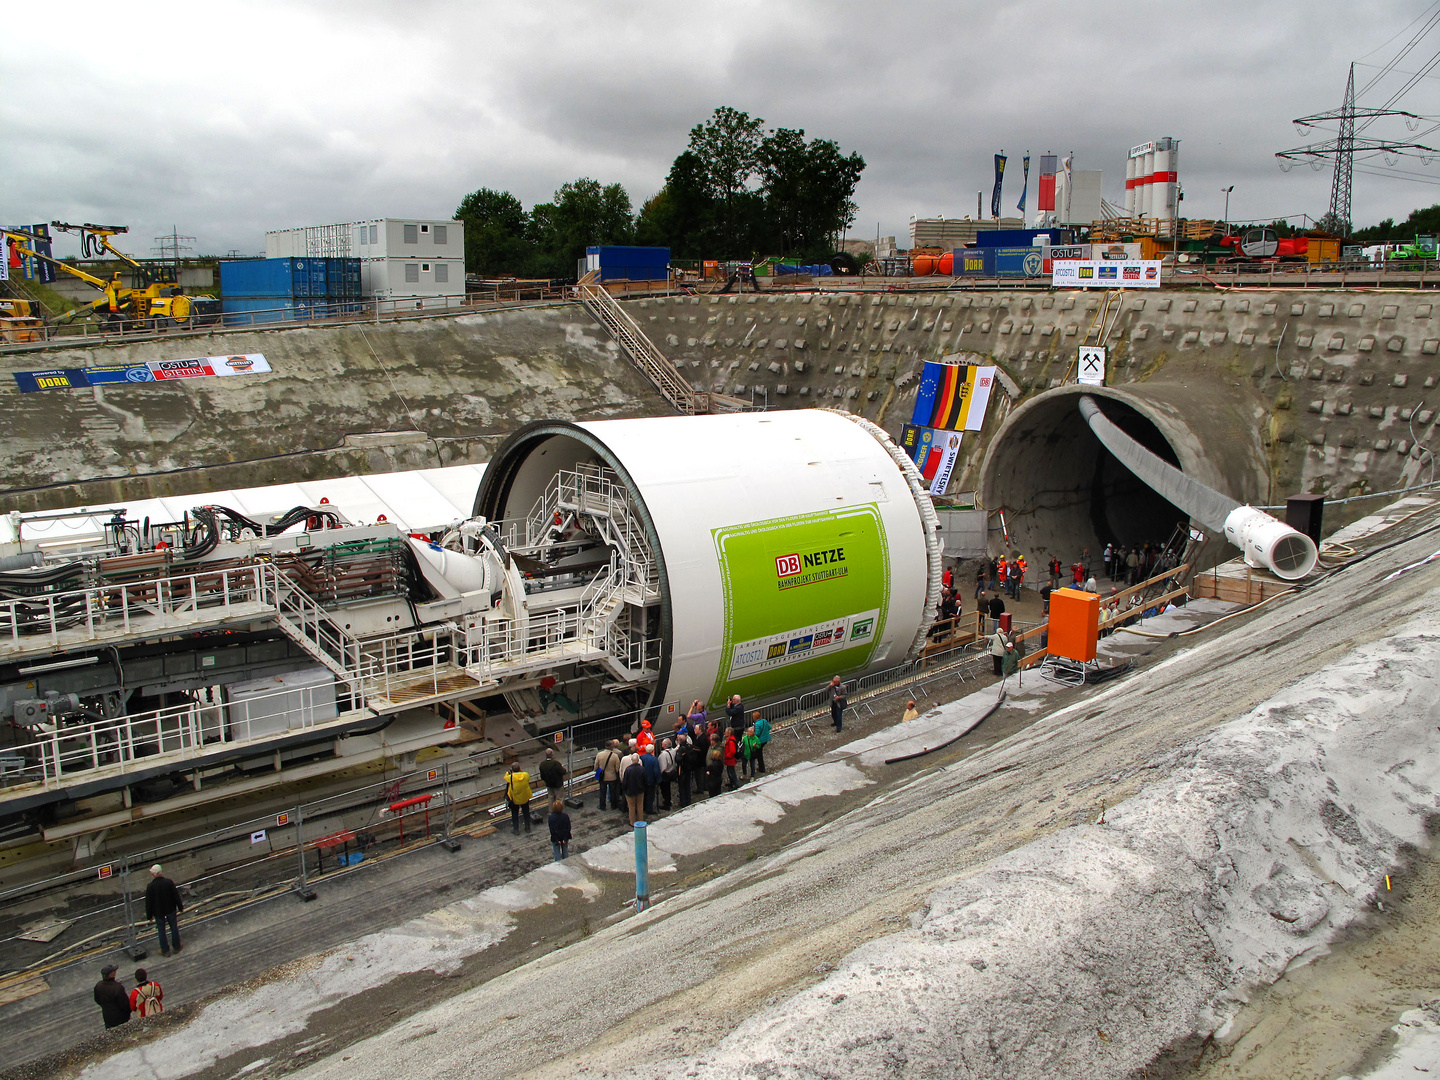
point(728, 146)
point(1424, 221)
point(808, 189)
point(495, 226)
point(682, 215)
point(582, 214)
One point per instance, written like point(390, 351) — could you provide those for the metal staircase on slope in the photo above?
point(641, 350)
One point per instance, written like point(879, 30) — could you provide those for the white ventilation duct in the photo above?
point(1264, 541)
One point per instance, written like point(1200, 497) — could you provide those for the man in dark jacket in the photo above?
point(162, 904)
point(651, 765)
point(634, 784)
point(837, 702)
point(553, 773)
point(735, 713)
point(996, 609)
point(114, 1002)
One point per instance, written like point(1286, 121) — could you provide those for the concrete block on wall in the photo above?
point(1399, 380)
point(1269, 308)
point(1242, 306)
point(1297, 309)
point(1355, 310)
point(1326, 310)
point(1366, 343)
point(1395, 344)
point(1389, 311)
point(1303, 340)
point(1247, 338)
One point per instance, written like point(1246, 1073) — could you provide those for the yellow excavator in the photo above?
point(156, 304)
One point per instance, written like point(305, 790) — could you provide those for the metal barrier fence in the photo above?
point(362, 312)
point(220, 870)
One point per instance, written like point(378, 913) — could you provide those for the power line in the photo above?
point(1402, 30)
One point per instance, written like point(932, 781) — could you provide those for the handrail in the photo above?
point(641, 350)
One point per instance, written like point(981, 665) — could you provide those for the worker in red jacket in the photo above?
point(732, 758)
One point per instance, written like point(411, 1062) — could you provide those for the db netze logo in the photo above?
point(787, 565)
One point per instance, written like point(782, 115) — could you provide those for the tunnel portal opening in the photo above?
point(1123, 508)
point(1062, 492)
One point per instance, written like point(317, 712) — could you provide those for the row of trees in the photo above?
point(1425, 222)
point(735, 192)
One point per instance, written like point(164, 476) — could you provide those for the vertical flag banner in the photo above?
point(38, 269)
point(1045, 187)
point(953, 397)
point(1024, 186)
point(999, 180)
point(946, 453)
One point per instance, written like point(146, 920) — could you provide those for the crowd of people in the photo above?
point(701, 757)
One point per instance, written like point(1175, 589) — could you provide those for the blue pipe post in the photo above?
point(642, 868)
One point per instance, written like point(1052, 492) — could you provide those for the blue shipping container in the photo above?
point(342, 277)
point(1011, 238)
point(257, 310)
point(273, 278)
point(632, 263)
point(974, 262)
point(1018, 262)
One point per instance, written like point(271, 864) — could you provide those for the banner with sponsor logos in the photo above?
point(934, 453)
point(197, 367)
point(953, 396)
point(1091, 274)
point(805, 596)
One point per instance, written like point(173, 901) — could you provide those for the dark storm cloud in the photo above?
point(226, 120)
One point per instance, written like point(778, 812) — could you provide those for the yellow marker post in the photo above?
point(1387, 882)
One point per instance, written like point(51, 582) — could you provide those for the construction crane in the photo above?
point(157, 303)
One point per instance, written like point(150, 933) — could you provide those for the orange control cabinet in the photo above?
point(1074, 624)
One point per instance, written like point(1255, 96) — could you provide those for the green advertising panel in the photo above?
point(805, 598)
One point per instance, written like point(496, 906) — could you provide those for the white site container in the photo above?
point(262, 708)
point(792, 546)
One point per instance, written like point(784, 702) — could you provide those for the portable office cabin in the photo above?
point(616, 263)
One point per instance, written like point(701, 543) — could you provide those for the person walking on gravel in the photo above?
point(838, 701)
point(111, 997)
point(162, 906)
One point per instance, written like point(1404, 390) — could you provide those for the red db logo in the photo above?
point(787, 565)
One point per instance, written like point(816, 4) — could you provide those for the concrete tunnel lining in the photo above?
point(1062, 491)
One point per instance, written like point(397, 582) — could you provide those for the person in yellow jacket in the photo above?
point(517, 796)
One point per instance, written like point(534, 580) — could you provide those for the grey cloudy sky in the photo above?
point(228, 119)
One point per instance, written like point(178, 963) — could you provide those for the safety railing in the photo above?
point(312, 628)
point(638, 656)
point(361, 311)
point(183, 732)
point(495, 644)
point(175, 599)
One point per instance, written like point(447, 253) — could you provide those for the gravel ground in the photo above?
point(962, 915)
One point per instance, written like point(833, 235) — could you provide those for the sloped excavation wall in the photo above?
point(444, 390)
point(1282, 391)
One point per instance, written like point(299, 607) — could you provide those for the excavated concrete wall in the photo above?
point(1327, 390)
point(1291, 391)
point(442, 391)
